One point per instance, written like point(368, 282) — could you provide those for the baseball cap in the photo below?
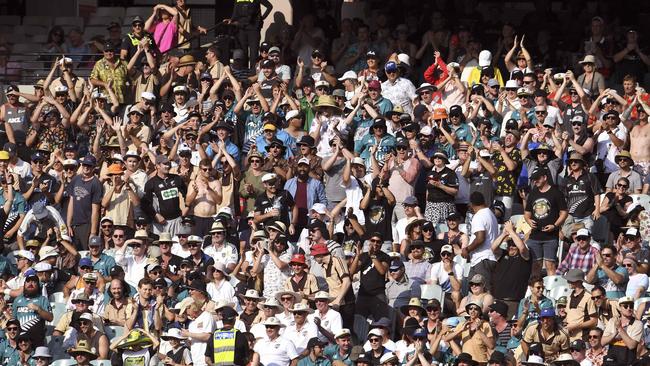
point(391, 66)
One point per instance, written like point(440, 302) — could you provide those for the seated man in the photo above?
point(81, 304)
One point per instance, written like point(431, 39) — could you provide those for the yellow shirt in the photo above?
point(117, 73)
point(475, 76)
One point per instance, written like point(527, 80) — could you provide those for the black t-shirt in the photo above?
point(84, 193)
point(434, 246)
point(580, 193)
point(130, 44)
point(482, 182)
point(447, 177)
point(167, 192)
point(378, 217)
point(511, 273)
point(38, 195)
point(545, 208)
point(372, 282)
point(282, 201)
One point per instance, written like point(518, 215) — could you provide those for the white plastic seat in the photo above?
point(432, 291)
point(515, 219)
point(131, 12)
point(558, 292)
point(102, 20)
point(640, 301)
point(114, 331)
point(68, 362)
point(101, 362)
point(92, 31)
point(57, 297)
point(109, 11)
point(551, 282)
point(58, 309)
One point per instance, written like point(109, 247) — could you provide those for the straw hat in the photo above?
point(323, 295)
point(326, 101)
point(301, 308)
point(83, 347)
point(414, 302)
point(273, 321)
point(186, 60)
point(272, 302)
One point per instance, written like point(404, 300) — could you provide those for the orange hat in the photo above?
point(115, 169)
point(440, 113)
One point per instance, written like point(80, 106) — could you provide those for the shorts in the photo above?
point(543, 249)
point(643, 168)
point(587, 221)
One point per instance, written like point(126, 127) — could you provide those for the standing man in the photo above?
point(274, 349)
point(228, 345)
point(85, 192)
point(110, 72)
point(485, 230)
point(372, 266)
point(582, 192)
point(167, 188)
point(545, 212)
point(248, 18)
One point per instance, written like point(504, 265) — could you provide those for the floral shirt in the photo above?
point(506, 181)
point(54, 136)
point(118, 74)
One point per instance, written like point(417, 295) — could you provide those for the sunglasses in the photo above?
point(118, 236)
point(628, 265)
point(626, 306)
point(594, 298)
point(431, 310)
point(374, 241)
point(107, 226)
point(622, 185)
point(374, 340)
point(137, 25)
point(13, 329)
point(445, 254)
point(286, 298)
point(593, 336)
point(417, 247)
point(255, 161)
point(606, 254)
point(193, 245)
point(135, 245)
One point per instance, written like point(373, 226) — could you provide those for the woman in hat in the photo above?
point(442, 187)
point(251, 185)
point(413, 310)
point(477, 293)
point(220, 288)
point(475, 335)
point(591, 79)
point(328, 114)
point(179, 354)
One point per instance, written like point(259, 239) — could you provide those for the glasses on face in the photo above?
point(286, 298)
point(432, 310)
point(137, 25)
point(622, 186)
point(474, 308)
point(594, 336)
point(607, 255)
point(582, 238)
point(375, 241)
point(628, 265)
point(206, 169)
point(374, 340)
point(12, 329)
point(399, 148)
point(107, 226)
point(540, 112)
point(218, 233)
point(417, 247)
point(39, 162)
point(626, 306)
point(594, 298)
point(135, 246)
point(445, 254)
point(425, 93)
point(193, 245)
point(528, 82)
point(255, 161)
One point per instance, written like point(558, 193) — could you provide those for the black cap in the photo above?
point(578, 344)
point(141, 220)
point(228, 314)
point(500, 307)
point(535, 348)
point(13, 321)
point(455, 110)
point(108, 46)
point(10, 147)
point(316, 52)
point(538, 172)
point(199, 285)
point(267, 64)
point(188, 220)
point(512, 124)
point(497, 357)
point(137, 19)
point(70, 146)
point(116, 271)
point(112, 25)
point(419, 111)
point(160, 282)
point(313, 342)
point(265, 47)
point(610, 114)
point(540, 93)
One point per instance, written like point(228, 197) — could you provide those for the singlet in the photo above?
point(455, 241)
point(18, 119)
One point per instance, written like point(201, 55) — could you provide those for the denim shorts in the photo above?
point(543, 249)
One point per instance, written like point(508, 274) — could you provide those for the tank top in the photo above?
point(455, 241)
point(17, 118)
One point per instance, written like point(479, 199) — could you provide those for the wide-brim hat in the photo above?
point(273, 321)
point(588, 59)
point(413, 221)
point(275, 142)
point(299, 307)
point(173, 333)
point(186, 60)
point(277, 226)
point(442, 155)
point(576, 157)
point(83, 347)
point(414, 302)
point(426, 86)
point(323, 295)
point(296, 296)
point(136, 338)
point(326, 101)
point(565, 359)
point(252, 294)
point(542, 147)
point(624, 154)
point(271, 302)
point(164, 237)
point(473, 303)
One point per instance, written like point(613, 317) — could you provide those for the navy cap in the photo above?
point(391, 66)
point(85, 262)
point(206, 75)
point(89, 160)
point(395, 265)
point(38, 156)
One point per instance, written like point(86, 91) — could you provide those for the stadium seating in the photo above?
point(114, 12)
point(42, 20)
point(58, 309)
point(9, 19)
point(69, 21)
point(114, 331)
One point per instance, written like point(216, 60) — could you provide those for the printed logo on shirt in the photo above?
point(170, 193)
point(541, 208)
point(377, 214)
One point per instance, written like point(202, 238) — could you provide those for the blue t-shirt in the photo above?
point(544, 303)
point(332, 353)
point(613, 291)
point(104, 264)
point(6, 352)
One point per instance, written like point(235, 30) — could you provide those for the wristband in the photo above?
point(7, 291)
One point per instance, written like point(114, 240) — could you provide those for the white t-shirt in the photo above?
point(607, 150)
point(203, 324)
point(483, 220)
point(441, 277)
point(302, 336)
point(354, 195)
point(634, 282)
point(332, 322)
point(278, 352)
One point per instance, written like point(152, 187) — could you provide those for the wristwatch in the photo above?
point(451, 274)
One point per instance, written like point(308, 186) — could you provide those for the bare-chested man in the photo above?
point(640, 143)
point(203, 196)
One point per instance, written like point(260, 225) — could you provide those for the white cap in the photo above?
point(303, 161)
point(269, 176)
point(47, 252)
point(87, 316)
point(387, 357)
point(65, 60)
point(485, 58)
point(61, 89)
point(426, 130)
point(632, 231)
point(70, 162)
point(291, 114)
point(583, 232)
point(42, 267)
point(26, 254)
point(358, 160)
point(321, 83)
point(42, 352)
point(319, 208)
point(348, 75)
point(148, 96)
point(180, 88)
point(447, 249)
point(66, 238)
point(404, 59)
point(342, 333)
point(225, 210)
point(117, 157)
point(376, 332)
point(132, 154)
point(511, 84)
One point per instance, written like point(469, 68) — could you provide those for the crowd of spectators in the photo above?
point(346, 193)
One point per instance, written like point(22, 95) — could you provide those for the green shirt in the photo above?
point(332, 352)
